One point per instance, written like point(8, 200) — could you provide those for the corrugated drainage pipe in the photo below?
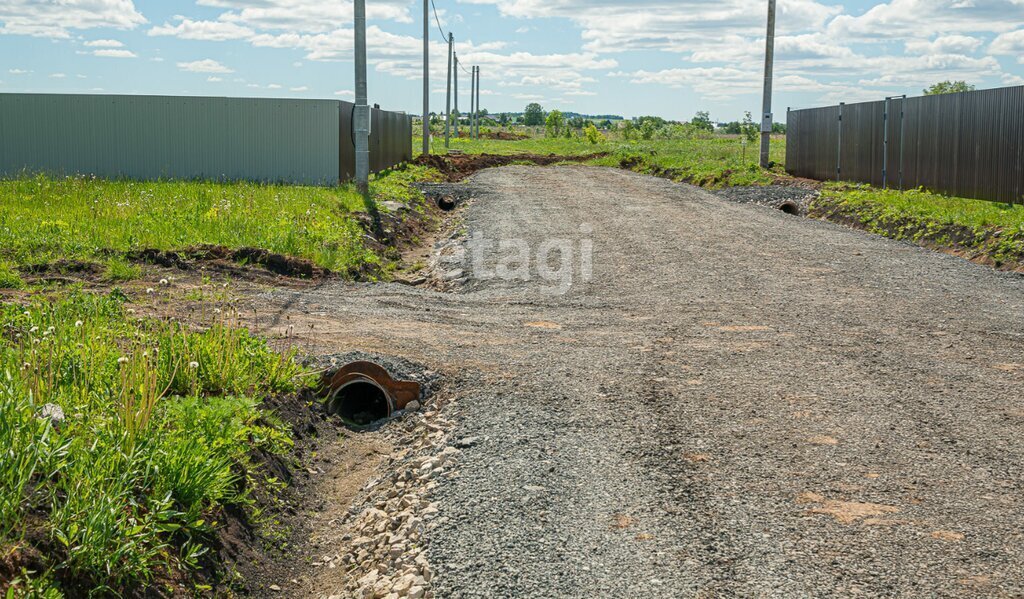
point(446, 203)
point(789, 207)
point(362, 393)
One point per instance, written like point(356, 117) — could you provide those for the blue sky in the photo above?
point(664, 57)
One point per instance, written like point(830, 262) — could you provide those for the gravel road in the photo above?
point(737, 403)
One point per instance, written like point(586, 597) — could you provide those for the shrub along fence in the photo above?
point(968, 144)
point(172, 137)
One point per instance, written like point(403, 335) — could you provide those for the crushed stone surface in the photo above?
point(737, 403)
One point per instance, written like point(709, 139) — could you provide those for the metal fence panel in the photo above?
point(390, 140)
point(968, 144)
point(165, 137)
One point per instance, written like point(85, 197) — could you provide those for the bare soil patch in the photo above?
point(456, 167)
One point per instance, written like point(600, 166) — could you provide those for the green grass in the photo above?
point(990, 228)
point(159, 423)
point(706, 160)
point(45, 219)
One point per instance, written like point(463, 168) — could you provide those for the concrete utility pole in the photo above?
point(362, 110)
point(455, 75)
point(478, 110)
point(448, 95)
point(472, 99)
point(426, 77)
point(766, 106)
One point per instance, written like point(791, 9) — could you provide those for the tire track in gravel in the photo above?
point(738, 403)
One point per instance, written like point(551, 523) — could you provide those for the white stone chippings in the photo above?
point(386, 556)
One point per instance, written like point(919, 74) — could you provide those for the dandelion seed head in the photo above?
point(193, 365)
point(149, 290)
point(33, 330)
point(78, 324)
point(164, 282)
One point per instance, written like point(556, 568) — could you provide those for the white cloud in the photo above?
point(909, 19)
point(301, 88)
point(305, 16)
point(204, 66)
point(213, 79)
point(215, 31)
point(57, 75)
point(18, 72)
point(103, 44)
point(345, 93)
point(945, 44)
point(274, 86)
point(56, 18)
point(1009, 79)
point(1010, 44)
point(111, 53)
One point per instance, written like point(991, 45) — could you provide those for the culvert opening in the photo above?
point(790, 208)
point(446, 203)
point(360, 403)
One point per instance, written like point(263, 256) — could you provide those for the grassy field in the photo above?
point(43, 220)
point(990, 229)
point(706, 160)
point(158, 423)
point(159, 419)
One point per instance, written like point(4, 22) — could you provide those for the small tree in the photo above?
point(592, 134)
point(948, 87)
point(748, 129)
point(533, 116)
point(628, 130)
point(648, 127)
point(702, 121)
point(555, 123)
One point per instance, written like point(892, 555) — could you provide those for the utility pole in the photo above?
point(362, 109)
point(426, 77)
point(766, 107)
point(455, 75)
point(478, 110)
point(448, 95)
point(472, 100)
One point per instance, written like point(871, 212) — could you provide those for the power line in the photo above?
point(439, 28)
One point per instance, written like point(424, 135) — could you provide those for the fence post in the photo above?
point(839, 145)
point(885, 145)
point(903, 140)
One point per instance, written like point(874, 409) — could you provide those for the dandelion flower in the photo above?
point(78, 324)
point(193, 365)
point(122, 360)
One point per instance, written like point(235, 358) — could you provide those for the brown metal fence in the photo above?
point(390, 140)
point(969, 144)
